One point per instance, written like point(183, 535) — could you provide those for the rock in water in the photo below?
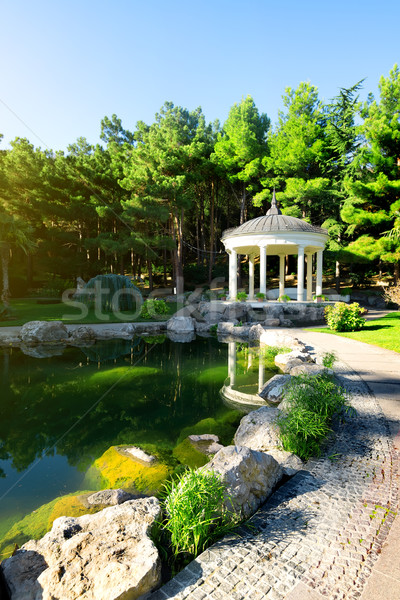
point(181, 324)
point(105, 556)
point(35, 332)
point(249, 477)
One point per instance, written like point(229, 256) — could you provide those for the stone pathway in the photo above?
point(320, 535)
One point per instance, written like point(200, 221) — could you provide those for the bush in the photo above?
point(312, 405)
point(152, 308)
point(195, 513)
point(344, 317)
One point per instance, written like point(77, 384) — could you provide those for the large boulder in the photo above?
point(35, 332)
point(273, 390)
point(105, 555)
point(258, 430)
point(81, 335)
point(180, 325)
point(280, 338)
point(249, 476)
point(233, 329)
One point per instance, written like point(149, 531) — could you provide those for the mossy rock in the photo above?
point(36, 524)
point(188, 455)
point(117, 470)
point(224, 427)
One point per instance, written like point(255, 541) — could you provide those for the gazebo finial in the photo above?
point(274, 210)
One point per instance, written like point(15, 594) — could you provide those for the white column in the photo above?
point(318, 290)
point(232, 363)
point(281, 274)
point(232, 274)
point(251, 277)
point(300, 274)
point(309, 276)
point(261, 373)
point(263, 270)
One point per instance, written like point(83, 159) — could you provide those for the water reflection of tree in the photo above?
point(160, 396)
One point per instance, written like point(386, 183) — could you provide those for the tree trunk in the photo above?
point(165, 267)
point(211, 259)
point(337, 276)
point(396, 273)
point(243, 204)
point(178, 253)
point(150, 270)
point(29, 270)
point(5, 294)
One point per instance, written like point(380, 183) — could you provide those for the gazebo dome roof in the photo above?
point(273, 221)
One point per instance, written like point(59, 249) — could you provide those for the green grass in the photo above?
point(383, 332)
point(28, 309)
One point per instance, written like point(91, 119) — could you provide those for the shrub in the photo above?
point(241, 296)
point(195, 513)
point(312, 405)
point(152, 308)
point(344, 317)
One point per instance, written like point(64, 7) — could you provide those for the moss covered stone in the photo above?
point(37, 523)
point(117, 470)
point(188, 455)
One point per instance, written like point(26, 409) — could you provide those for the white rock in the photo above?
point(258, 430)
point(103, 556)
point(310, 369)
point(109, 498)
point(282, 359)
point(43, 331)
point(249, 477)
point(273, 390)
point(181, 324)
point(138, 454)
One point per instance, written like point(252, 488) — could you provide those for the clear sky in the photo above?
point(65, 64)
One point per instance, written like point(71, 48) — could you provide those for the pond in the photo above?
point(61, 413)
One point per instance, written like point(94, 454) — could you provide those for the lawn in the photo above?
point(28, 309)
point(383, 332)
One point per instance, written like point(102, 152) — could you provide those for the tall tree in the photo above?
point(14, 233)
point(162, 168)
point(240, 148)
point(372, 207)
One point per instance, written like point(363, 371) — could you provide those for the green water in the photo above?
point(59, 414)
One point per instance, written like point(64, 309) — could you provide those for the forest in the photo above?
point(153, 203)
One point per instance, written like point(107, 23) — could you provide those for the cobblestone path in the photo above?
point(320, 532)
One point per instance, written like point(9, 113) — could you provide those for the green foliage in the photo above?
point(284, 298)
point(153, 308)
point(260, 296)
point(312, 402)
point(241, 296)
point(195, 513)
point(329, 359)
point(345, 317)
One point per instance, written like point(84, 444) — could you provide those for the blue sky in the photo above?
point(66, 64)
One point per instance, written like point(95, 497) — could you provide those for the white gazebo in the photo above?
point(276, 234)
